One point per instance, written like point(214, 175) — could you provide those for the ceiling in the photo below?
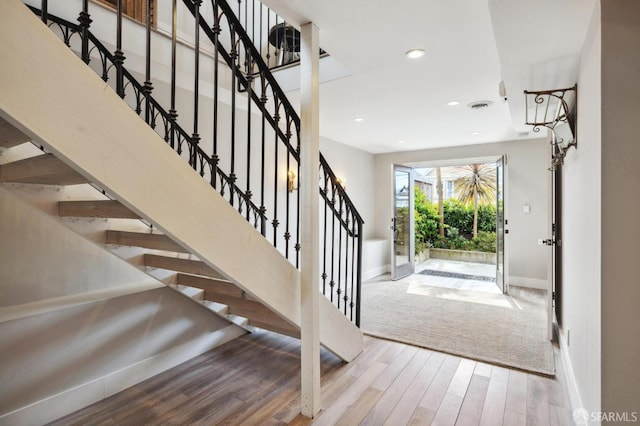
point(471, 46)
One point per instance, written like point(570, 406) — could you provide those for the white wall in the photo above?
point(620, 288)
point(32, 248)
point(527, 184)
point(356, 168)
point(581, 239)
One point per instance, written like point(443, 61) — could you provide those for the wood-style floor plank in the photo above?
point(494, 404)
point(537, 402)
point(255, 380)
point(381, 410)
point(471, 410)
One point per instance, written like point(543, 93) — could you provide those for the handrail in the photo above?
point(209, 154)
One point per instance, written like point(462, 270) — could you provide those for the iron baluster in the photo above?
point(85, 22)
point(216, 44)
point(196, 87)
point(276, 119)
point(345, 296)
point(287, 234)
point(339, 291)
point(353, 266)
point(324, 235)
point(359, 274)
point(297, 246)
point(332, 283)
point(234, 63)
point(263, 209)
point(45, 11)
point(119, 54)
point(173, 114)
point(248, 193)
point(268, 44)
point(148, 86)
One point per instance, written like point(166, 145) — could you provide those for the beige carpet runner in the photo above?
point(494, 328)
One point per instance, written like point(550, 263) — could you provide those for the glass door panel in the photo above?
point(500, 224)
point(402, 223)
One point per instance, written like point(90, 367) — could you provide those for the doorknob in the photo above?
point(547, 242)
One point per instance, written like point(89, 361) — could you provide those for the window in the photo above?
point(135, 9)
point(449, 191)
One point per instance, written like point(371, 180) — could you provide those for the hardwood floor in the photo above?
point(255, 380)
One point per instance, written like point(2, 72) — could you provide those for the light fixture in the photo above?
point(475, 133)
point(358, 119)
point(291, 180)
point(341, 182)
point(453, 103)
point(415, 53)
point(557, 111)
point(400, 141)
point(478, 105)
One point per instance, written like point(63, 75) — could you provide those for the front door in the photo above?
point(402, 262)
point(500, 222)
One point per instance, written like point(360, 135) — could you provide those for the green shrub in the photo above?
point(426, 219)
point(458, 225)
point(486, 218)
point(485, 241)
point(459, 216)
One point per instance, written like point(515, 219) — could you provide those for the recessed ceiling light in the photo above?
point(453, 103)
point(358, 119)
point(475, 133)
point(415, 53)
point(400, 141)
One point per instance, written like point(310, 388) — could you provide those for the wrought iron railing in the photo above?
point(249, 153)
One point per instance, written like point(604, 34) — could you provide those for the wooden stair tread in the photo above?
point(43, 169)
point(10, 136)
point(213, 286)
point(188, 266)
point(239, 303)
point(99, 208)
point(145, 240)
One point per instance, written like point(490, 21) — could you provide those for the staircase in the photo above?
point(98, 218)
point(187, 235)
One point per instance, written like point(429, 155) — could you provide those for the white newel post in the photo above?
point(309, 216)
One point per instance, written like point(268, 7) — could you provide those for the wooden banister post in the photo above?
point(310, 221)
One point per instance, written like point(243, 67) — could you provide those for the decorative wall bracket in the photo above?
point(557, 111)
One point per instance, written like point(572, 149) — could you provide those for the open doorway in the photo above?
point(456, 213)
point(439, 304)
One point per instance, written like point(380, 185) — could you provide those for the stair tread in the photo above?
point(192, 292)
point(189, 266)
point(236, 319)
point(216, 307)
point(43, 169)
point(10, 136)
point(145, 240)
point(96, 208)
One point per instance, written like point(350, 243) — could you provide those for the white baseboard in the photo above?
point(569, 378)
point(374, 272)
point(70, 400)
point(529, 282)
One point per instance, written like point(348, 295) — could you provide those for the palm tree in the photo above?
point(476, 183)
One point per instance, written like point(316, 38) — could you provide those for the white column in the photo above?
point(309, 217)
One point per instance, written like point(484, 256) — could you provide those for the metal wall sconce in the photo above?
point(341, 182)
point(291, 181)
point(557, 111)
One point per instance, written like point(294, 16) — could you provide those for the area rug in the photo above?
point(493, 328)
